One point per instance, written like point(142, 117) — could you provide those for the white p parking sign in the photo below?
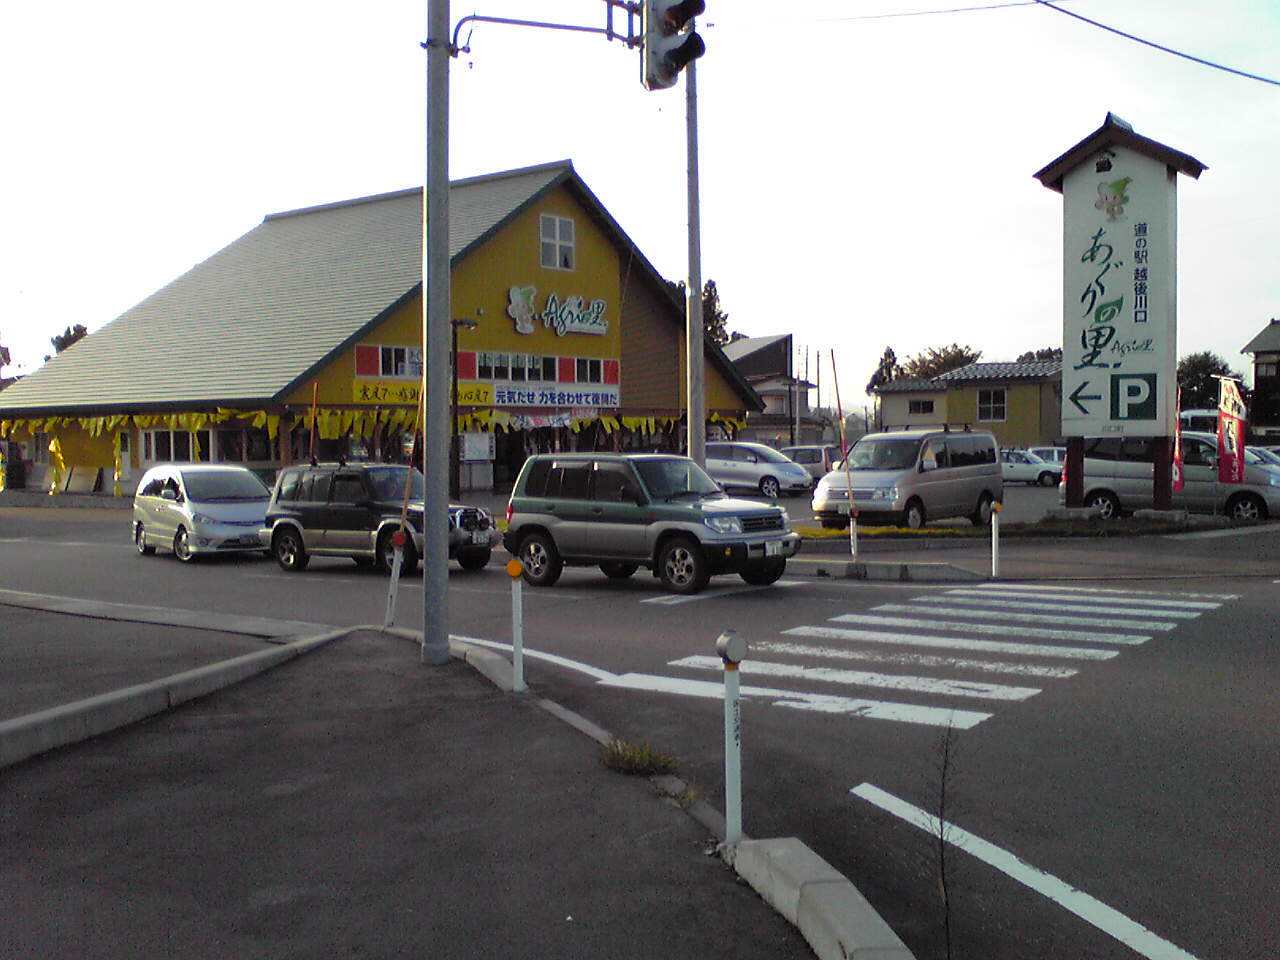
point(1133, 396)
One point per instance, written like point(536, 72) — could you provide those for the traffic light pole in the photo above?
point(696, 402)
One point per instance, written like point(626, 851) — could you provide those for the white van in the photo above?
point(910, 477)
point(1118, 475)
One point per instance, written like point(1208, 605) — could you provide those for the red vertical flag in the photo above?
point(1231, 417)
point(1179, 478)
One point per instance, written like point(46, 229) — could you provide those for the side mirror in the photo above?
point(169, 494)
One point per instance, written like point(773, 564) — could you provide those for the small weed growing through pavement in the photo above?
point(640, 759)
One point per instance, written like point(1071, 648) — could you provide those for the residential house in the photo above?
point(767, 364)
point(1264, 405)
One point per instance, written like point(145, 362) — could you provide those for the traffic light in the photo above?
point(666, 46)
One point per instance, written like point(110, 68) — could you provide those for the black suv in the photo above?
point(353, 510)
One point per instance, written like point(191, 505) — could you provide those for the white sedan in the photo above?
point(1022, 466)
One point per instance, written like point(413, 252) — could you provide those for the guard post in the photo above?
point(733, 650)
point(515, 570)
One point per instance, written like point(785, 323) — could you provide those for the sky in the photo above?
point(866, 177)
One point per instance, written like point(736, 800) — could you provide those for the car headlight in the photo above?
point(202, 518)
point(1274, 480)
point(724, 524)
point(884, 493)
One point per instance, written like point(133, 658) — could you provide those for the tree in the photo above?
point(5, 358)
point(713, 316)
point(68, 337)
point(886, 370)
point(939, 360)
point(1044, 353)
point(1198, 384)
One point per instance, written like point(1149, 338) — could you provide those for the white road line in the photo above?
point(17, 539)
point(822, 703)
point(590, 671)
point(987, 603)
point(1128, 593)
point(860, 678)
point(952, 626)
point(1039, 595)
point(951, 643)
point(913, 660)
point(672, 599)
point(1231, 532)
point(1029, 617)
point(1107, 919)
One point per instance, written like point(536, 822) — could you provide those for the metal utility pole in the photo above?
point(696, 404)
point(436, 298)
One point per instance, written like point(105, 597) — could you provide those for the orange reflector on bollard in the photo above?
point(514, 568)
point(397, 540)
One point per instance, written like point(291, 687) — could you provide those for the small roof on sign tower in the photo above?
point(1115, 132)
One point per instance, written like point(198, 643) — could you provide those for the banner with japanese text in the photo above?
point(1231, 418)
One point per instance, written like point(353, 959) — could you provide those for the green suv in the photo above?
point(626, 511)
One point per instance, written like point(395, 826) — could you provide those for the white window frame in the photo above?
point(399, 363)
point(991, 405)
point(149, 445)
point(556, 243)
point(920, 412)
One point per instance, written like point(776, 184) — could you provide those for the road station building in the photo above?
point(567, 339)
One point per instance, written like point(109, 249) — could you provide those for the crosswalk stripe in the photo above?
point(1030, 617)
point(820, 702)
point(987, 603)
point(672, 599)
point(951, 643)
point(913, 659)
point(1067, 598)
point(953, 626)
point(861, 678)
point(1128, 593)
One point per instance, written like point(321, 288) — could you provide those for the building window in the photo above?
point(400, 362)
point(589, 371)
point(991, 405)
point(919, 406)
point(179, 446)
point(556, 242)
point(1264, 369)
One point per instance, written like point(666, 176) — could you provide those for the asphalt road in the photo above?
point(1145, 779)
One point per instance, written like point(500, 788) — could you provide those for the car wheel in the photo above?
point(913, 516)
point(140, 541)
point(682, 567)
point(835, 524)
point(1246, 506)
point(288, 550)
point(1047, 479)
point(474, 559)
point(763, 574)
point(541, 560)
point(387, 554)
point(981, 516)
point(769, 487)
point(1107, 504)
point(363, 561)
point(182, 545)
point(618, 569)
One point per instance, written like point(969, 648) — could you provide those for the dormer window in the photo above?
point(556, 239)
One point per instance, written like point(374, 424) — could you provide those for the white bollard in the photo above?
point(853, 534)
point(995, 540)
point(515, 570)
point(732, 650)
point(390, 617)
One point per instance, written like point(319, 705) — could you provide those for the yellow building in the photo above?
point(303, 338)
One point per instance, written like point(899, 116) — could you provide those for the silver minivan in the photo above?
point(910, 477)
point(195, 509)
point(1118, 479)
point(739, 465)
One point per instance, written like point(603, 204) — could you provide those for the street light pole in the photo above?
point(696, 401)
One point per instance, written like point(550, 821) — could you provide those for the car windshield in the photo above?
point(674, 477)
point(769, 455)
point(884, 454)
point(207, 486)
point(388, 483)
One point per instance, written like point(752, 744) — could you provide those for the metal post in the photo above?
point(435, 341)
point(515, 569)
point(853, 528)
point(393, 586)
point(695, 401)
point(733, 650)
point(995, 540)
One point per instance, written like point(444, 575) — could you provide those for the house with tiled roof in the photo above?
point(768, 365)
point(311, 325)
point(1021, 403)
point(1264, 402)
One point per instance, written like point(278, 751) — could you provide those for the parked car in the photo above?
point(739, 465)
point(1118, 475)
point(1023, 466)
point(353, 510)
point(818, 459)
point(196, 509)
point(1056, 455)
point(1263, 455)
point(909, 477)
point(626, 511)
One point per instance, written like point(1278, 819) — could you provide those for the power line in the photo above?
point(1176, 53)
point(930, 13)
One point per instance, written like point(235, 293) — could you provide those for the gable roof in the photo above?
point(909, 385)
point(1118, 132)
point(261, 315)
point(744, 346)
point(1033, 370)
point(1267, 340)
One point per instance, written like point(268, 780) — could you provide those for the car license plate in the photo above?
point(479, 536)
point(772, 548)
point(843, 508)
point(250, 539)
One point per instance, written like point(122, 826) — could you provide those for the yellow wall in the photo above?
point(1021, 426)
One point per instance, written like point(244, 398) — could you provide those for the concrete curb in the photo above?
point(36, 733)
point(899, 571)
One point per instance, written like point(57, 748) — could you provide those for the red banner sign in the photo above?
point(1231, 417)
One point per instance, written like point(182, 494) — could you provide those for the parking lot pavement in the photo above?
point(352, 802)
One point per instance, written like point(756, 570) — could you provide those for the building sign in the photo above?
point(568, 315)
point(1119, 338)
point(386, 391)
point(556, 395)
point(1231, 417)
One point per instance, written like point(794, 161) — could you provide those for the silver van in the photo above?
point(910, 477)
point(194, 509)
point(1118, 475)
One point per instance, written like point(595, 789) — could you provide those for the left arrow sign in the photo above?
point(1076, 396)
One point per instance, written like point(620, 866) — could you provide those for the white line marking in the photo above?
point(951, 626)
point(590, 671)
point(1107, 919)
point(1233, 532)
point(1029, 617)
point(823, 703)
point(1127, 593)
point(674, 598)
point(1039, 595)
point(987, 603)
point(952, 643)
point(860, 678)
point(914, 660)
